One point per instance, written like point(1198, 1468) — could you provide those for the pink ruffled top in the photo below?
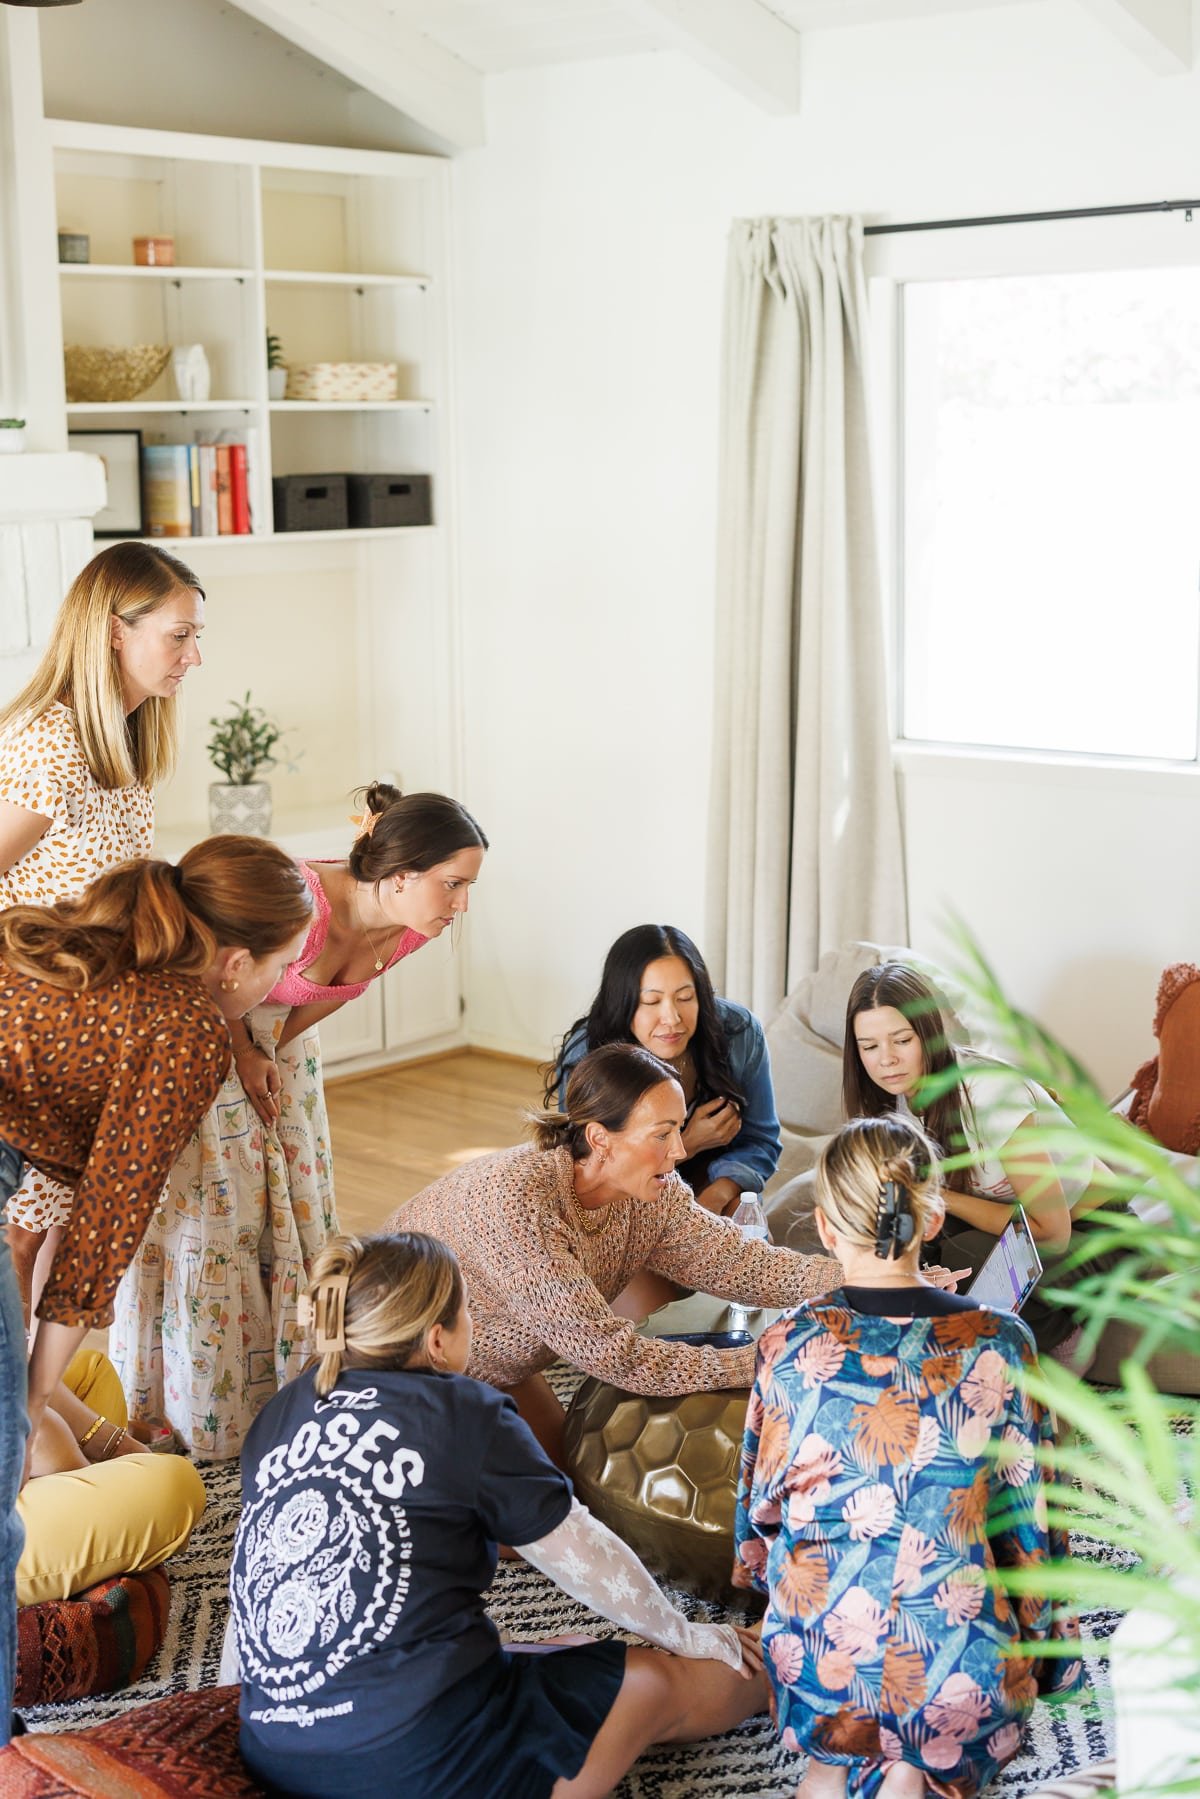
point(293, 989)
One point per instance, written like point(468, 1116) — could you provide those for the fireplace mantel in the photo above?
point(40, 488)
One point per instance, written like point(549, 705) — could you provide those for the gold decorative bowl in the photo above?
point(101, 374)
point(662, 1472)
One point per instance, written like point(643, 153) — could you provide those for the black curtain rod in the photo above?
point(1035, 218)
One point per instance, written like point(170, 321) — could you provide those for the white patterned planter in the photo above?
point(244, 810)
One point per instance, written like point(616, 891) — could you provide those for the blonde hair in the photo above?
point(396, 1289)
point(856, 1165)
point(236, 892)
point(128, 581)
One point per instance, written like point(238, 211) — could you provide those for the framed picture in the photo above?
point(121, 454)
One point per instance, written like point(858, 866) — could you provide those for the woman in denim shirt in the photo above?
point(656, 991)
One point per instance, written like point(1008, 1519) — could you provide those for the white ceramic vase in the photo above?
point(276, 383)
point(191, 373)
point(12, 440)
point(242, 809)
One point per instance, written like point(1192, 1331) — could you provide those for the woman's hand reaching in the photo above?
point(750, 1638)
point(711, 1126)
point(260, 1078)
point(946, 1278)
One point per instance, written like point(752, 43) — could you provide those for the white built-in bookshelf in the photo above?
point(348, 636)
point(339, 253)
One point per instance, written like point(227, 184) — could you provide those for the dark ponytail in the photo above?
point(602, 1089)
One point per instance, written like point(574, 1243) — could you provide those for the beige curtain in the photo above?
point(805, 848)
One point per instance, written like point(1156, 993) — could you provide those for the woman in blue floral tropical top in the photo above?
point(889, 1468)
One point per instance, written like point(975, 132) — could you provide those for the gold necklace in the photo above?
point(379, 961)
point(592, 1219)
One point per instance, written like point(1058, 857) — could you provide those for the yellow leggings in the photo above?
point(110, 1518)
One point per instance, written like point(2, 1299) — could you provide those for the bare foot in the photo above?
point(154, 1434)
point(822, 1780)
point(903, 1781)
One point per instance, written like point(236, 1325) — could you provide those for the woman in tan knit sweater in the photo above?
point(550, 1233)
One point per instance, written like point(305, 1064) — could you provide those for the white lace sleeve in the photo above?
point(230, 1671)
point(594, 1566)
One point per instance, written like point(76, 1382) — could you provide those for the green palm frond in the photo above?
point(1126, 1468)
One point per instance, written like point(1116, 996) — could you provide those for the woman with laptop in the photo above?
point(891, 1468)
point(896, 1035)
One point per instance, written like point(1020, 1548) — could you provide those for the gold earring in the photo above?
point(230, 986)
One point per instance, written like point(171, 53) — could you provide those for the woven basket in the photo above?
point(104, 374)
point(342, 381)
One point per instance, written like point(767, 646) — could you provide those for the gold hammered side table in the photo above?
point(661, 1470)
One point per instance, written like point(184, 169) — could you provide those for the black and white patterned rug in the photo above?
point(748, 1763)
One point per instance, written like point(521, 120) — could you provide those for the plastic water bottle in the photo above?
point(750, 1218)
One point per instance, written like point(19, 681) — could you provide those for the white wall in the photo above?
point(591, 251)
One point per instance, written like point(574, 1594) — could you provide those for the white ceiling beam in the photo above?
point(377, 51)
point(1158, 31)
point(742, 41)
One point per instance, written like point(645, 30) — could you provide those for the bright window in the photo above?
point(1051, 512)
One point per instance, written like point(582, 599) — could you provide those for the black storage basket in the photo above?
point(381, 500)
point(310, 503)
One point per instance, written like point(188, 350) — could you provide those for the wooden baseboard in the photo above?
point(439, 1055)
point(506, 1055)
point(373, 1074)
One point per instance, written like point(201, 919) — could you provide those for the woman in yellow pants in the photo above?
point(88, 1521)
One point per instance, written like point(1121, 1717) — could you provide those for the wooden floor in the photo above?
point(396, 1131)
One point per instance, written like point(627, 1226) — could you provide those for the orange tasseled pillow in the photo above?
point(1166, 1089)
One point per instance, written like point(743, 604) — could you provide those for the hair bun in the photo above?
point(549, 1128)
point(380, 795)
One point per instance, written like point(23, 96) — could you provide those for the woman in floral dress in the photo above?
point(205, 1329)
point(888, 1470)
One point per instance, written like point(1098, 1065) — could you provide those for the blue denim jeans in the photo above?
point(14, 1428)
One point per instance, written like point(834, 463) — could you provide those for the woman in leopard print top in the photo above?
point(549, 1234)
point(114, 1038)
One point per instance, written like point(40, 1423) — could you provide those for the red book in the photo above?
point(224, 492)
point(237, 488)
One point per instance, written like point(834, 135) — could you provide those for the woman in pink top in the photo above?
point(205, 1329)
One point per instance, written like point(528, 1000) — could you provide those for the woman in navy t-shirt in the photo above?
point(377, 1486)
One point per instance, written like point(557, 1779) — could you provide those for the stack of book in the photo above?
point(199, 489)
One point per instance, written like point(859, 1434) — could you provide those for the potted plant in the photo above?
point(12, 436)
point(243, 746)
point(276, 368)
